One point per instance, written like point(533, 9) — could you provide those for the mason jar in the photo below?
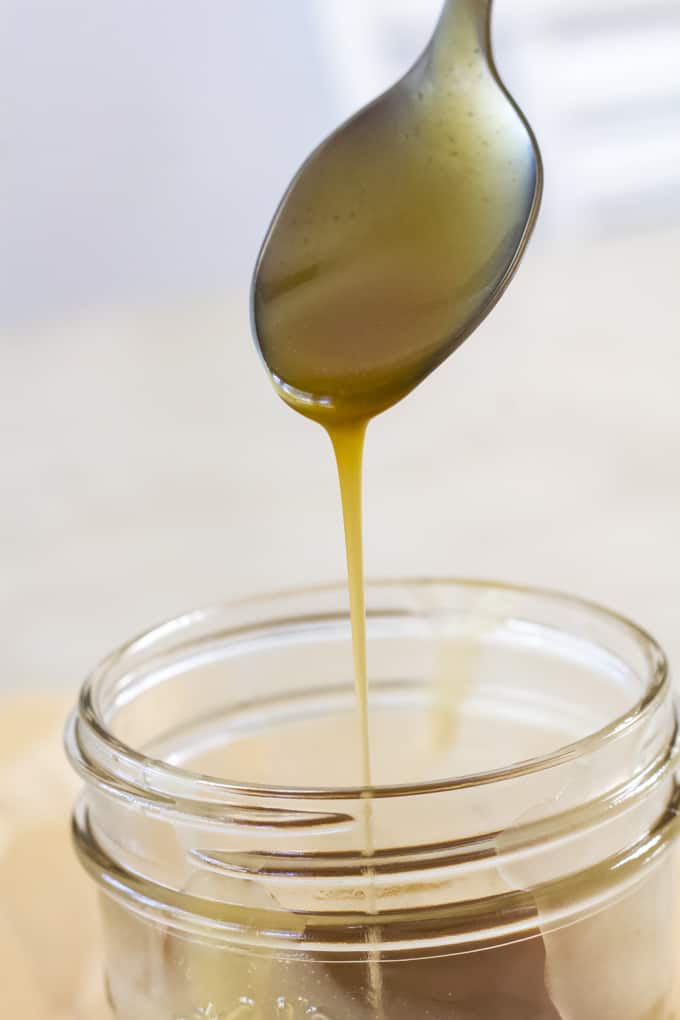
point(511, 861)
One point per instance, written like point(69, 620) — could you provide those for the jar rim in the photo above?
point(207, 792)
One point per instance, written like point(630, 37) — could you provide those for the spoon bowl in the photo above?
point(400, 232)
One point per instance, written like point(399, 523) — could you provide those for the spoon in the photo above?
point(400, 232)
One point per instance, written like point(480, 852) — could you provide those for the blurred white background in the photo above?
point(147, 466)
point(145, 144)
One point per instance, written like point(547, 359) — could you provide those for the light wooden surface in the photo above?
point(49, 934)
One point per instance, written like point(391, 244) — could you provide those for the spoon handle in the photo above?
point(462, 35)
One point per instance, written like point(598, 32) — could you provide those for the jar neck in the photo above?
point(573, 855)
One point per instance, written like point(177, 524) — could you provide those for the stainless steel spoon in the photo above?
point(400, 232)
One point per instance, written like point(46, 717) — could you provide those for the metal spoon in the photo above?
point(400, 232)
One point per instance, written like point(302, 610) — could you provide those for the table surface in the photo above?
point(49, 933)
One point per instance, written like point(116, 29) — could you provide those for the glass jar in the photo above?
point(512, 860)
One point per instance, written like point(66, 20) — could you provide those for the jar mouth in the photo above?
point(103, 758)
